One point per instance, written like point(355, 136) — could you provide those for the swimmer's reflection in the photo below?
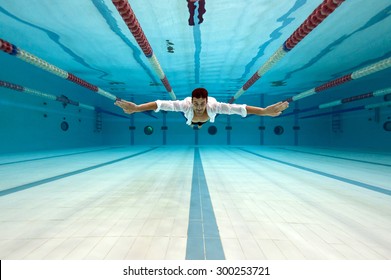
point(201, 10)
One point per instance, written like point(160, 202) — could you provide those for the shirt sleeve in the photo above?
point(170, 105)
point(229, 109)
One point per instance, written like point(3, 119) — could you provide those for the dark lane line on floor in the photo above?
point(63, 155)
point(203, 237)
point(349, 181)
point(54, 178)
point(350, 159)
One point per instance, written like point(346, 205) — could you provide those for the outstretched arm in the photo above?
point(272, 110)
point(130, 107)
point(165, 105)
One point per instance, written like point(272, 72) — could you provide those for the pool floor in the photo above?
point(196, 202)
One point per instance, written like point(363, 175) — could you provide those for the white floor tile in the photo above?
point(270, 250)
point(101, 250)
point(121, 248)
point(43, 250)
point(82, 250)
point(251, 250)
point(232, 249)
point(176, 249)
point(139, 249)
point(289, 249)
point(158, 248)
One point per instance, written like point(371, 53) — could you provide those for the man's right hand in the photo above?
point(276, 109)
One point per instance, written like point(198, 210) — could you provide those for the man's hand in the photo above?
point(128, 107)
point(276, 109)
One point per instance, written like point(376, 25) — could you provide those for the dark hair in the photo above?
point(199, 93)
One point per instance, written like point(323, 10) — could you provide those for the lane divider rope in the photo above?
point(11, 49)
point(365, 71)
point(377, 93)
point(312, 21)
point(134, 26)
point(62, 98)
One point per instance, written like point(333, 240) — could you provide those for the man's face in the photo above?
point(199, 106)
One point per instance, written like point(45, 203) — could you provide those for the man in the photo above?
point(199, 108)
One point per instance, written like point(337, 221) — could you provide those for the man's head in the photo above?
point(199, 98)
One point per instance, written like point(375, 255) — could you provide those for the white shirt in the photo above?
point(213, 107)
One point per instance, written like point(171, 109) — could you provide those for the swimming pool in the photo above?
point(83, 180)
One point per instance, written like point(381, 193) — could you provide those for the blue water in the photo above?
point(91, 182)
